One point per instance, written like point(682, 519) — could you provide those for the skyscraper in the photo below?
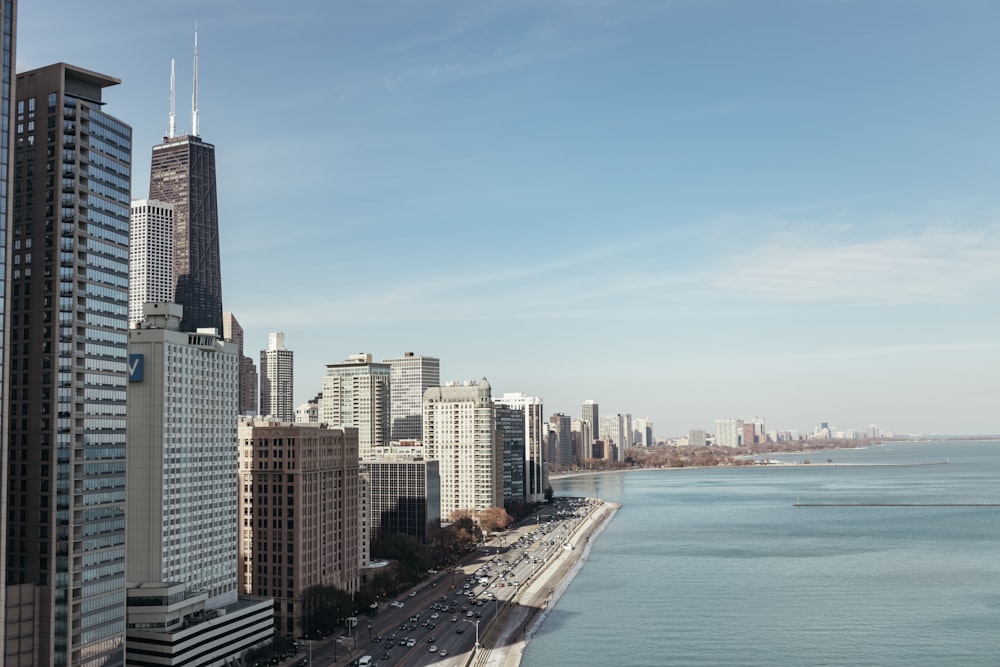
point(510, 429)
point(150, 256)
point(356, 393)
point(183, 174)
point(233, 332)
point(277, 379)
point(561, 425)
point(460, 432)
point(183, 514)
point(69, 315)
point(535, 431)
point(409, 377)
point(8, 19)
point(589, 413)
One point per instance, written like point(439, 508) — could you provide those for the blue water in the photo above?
point(718, 567)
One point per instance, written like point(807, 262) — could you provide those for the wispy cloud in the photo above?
point(936, 264)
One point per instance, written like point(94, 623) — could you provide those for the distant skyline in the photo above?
point(686, 210)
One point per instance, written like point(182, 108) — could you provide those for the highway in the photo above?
point(466, 599)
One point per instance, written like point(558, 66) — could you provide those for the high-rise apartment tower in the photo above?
point(460, 432)
point(409, 377)
point(69, 316)
point(277, 379)
point(150, 256)
point(356, 393)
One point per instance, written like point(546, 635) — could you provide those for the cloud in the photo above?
point(936, 264)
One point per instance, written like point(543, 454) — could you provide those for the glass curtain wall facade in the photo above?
point(69, 318)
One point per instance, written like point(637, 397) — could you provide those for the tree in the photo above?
point(405, 549)
point(324, 607)
point(493, 519)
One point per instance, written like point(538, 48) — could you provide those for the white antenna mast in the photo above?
point(194, 93)
point(170, 132)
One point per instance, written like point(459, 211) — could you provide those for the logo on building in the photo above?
point(135, 367)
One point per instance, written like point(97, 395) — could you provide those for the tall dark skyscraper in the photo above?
point(68, 319)
point(183, 174)
point(8, 21)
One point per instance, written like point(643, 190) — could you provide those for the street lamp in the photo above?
point(476, 622)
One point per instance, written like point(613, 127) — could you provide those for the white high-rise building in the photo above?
point(409, 377)
point(182, 503)
point(460, 433)
point(150, 256)
point(356, 394)
point(535, 432)
point(182, 515)
point(277, 379)
point(644, 429)
point(614, 432)
point(728, 432)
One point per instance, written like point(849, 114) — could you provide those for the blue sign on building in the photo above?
point(135, 367)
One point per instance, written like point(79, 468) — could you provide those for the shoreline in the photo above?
point(543, 592)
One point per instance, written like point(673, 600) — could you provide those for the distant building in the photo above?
point(299, 513)
point(561, 425)
point(696, 437)
point(510, 427)
point(460, 432)
point(150, 256)
point(590, 414)
point(356, 395)
point(728, 432)
point(309, 411)
point(233, 332)
point(277, 378)
point(535, 430)
point(583, 437)
point(182, 172)
point(409, 377)
point(644, 432)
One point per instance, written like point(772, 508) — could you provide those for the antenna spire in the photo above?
point(170, 132)
point(194, 92)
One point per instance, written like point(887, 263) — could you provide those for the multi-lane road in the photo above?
point(438, 621)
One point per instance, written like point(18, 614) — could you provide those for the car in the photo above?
point(433, 649)
point(433, 584)
point(459, 630)
point(435, 616)
point(430, 640)
point(413, 594)
point(384, 656)
point(403, 641)
point(443, 652)
point(411, 642)
point(454, 619)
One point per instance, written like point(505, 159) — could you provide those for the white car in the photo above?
point(433, 649)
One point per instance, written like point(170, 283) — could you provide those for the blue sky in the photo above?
point(685, 210)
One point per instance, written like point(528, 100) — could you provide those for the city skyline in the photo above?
point(684, 212)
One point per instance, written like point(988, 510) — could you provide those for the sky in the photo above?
point(686, 210)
